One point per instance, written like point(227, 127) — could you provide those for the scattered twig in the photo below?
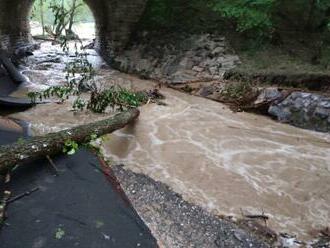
point(20, 196)
point(54, 60)
point(7, 178)
point(261, 216)
point(257, 216)
point(3, 205)
point(51, 162)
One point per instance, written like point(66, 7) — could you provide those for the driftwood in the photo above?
point(53, 143)
point(257, 216)
point(51, 162)
point(14, 74)
point(46, 38)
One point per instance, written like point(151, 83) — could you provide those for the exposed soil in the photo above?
point(308, 81)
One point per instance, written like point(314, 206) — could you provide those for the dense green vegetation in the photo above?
point(295, 28)
point(263, 17)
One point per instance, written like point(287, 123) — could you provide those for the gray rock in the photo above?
point(206, 91)
point(185, 63)
point(282, 114)
point(268, 95)
point(218, 50)
point(175, 55)
point(323, 113)
point(214, 70)
point(298, 104)
point(325, 104)
point(198, 69)
point(181, 77)
point(306, 110)
point(302, 95)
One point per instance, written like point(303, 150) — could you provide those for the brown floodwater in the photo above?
point(226, 162)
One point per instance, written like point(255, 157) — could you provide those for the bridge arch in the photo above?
point(114, 21)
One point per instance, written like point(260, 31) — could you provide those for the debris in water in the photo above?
point(107, 237)
point(59, 233)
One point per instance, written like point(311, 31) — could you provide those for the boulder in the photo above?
point(268, 95)
point(306, 110)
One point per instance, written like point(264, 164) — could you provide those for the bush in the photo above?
point(238, 90)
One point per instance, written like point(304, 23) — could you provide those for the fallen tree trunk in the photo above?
point(15, 75)
point(46, 38)
point(53, 143)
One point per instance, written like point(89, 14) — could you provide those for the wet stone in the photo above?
point(322, 113)
point(298, 104)
point(206, 91)
point(268, 95)
point(325, 104)
point(304, 110)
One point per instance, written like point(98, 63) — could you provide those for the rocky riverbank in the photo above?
point(309, 110)
point(206, 65)
point(177, 58)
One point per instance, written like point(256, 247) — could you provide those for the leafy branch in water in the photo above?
point(60, 92)
point(80, 78)
point(117, 98)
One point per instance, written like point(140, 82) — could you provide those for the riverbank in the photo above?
point(207, 65)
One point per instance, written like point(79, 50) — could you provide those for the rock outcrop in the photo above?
point(306, 110)
point(177, 58)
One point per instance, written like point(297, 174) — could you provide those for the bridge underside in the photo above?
point(114, 20)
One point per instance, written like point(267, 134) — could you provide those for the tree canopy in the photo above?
point(262, 17)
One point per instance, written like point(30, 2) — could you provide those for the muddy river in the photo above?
point(229, 163)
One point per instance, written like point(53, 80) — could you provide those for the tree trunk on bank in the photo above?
point(72, 15)
point(53, 143)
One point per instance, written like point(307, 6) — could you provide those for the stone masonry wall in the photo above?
point(14, 25)
point(115, 20)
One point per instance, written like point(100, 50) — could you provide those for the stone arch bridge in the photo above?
point(114, 20)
